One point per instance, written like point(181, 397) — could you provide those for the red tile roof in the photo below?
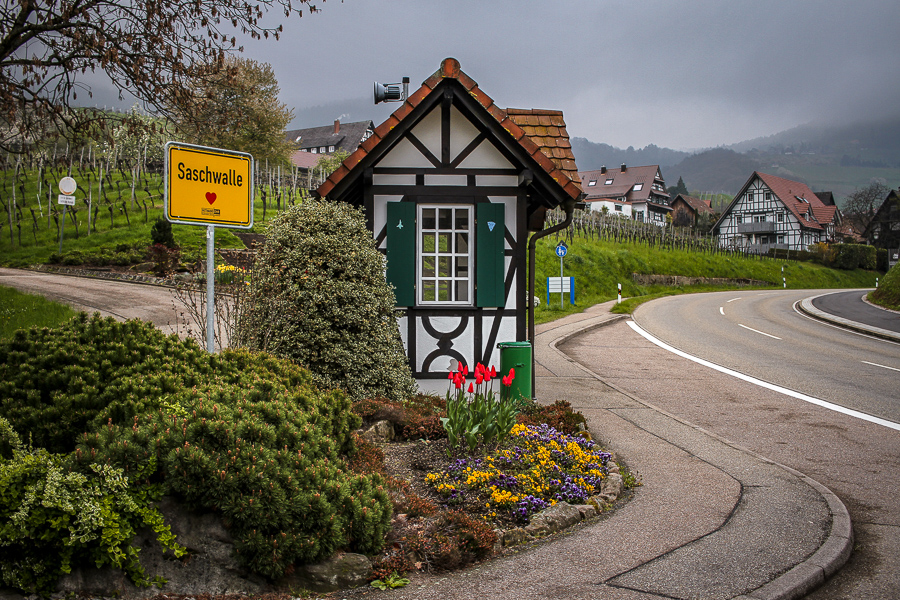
point(800, 200)
point(305, 160)
point(549, 148)
point(699, 206)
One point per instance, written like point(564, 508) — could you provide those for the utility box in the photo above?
point(517, 355)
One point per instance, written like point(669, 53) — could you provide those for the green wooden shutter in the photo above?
point(401, 251)
point(490, 248)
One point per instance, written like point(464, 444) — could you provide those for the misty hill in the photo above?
point(591, 156)
point(717, 170)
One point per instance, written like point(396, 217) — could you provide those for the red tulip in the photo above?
point(512, 374)
point(493, 371)
point(471, 388)
point(506, 381)
point(465, 369)
point(479, 369)
point(478, 378)
point(450, 375)
point(458, 384)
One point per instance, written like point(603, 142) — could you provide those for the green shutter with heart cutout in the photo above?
point(401, 251)
point(490, 251)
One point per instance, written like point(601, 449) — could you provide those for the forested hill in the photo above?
point(590, 155)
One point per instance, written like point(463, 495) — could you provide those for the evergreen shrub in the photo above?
point(242, 434)
point(319, 297)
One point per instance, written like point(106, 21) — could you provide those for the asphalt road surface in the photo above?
point(857, 459)
point(116, 299)
point(760, 334)
point(848, 306)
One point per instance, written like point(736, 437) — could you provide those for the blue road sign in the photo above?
point(561, 250)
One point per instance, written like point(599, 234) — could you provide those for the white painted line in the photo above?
point(766, 384)
point(877, 365)
point(721, 311)
point(759, 332)
point(733, 299)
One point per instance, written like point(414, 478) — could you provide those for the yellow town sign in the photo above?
point(208, 186)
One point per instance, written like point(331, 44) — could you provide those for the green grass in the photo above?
point(599, 265)
point(19, 310)
point(36, 241)
point(888, 292)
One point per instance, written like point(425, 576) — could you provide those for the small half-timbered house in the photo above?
point(451, 185)
point(773, 212)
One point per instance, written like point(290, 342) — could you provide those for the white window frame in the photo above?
point(638, 187)
point(453, 254)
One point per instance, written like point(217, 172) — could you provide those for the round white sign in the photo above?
point(67, 186)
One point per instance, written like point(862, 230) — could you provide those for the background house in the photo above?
point(686, 209)
point(883, 230)
point(329, 139)
point(641, 189)
point(772, 212)
point(451, 185)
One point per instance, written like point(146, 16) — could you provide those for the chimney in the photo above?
point(623, 167)
point(603, 169)
point(337, 126)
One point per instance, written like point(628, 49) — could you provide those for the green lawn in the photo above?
point(21, 311)
point(598, 266)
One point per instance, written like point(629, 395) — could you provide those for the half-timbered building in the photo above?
point(642, 189)
point(451, 186)
point(773, 212)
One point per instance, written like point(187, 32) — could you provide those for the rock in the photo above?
point(587, 511)
point(382, 431)
point(613, 468)
point(143, 267)
point(343, 570)
point(514, 537)
point(210, 566)
point(556, 518)
point(611, 486)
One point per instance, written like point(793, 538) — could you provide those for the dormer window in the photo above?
point(638, 187)
point(592, 183)
point(608, 182)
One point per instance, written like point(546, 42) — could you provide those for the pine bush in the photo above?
point(320, 298)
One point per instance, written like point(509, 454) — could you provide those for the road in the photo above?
point(857, 459)
point(760, 334)
point(116, 299)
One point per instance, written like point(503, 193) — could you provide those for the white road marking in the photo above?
point(766, 384)
point(877, 365)
point(759, 332)
point(733, 299)
point(721, 311)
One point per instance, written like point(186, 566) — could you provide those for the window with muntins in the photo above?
point(445, 254)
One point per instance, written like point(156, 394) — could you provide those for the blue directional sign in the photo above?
point(561, 250)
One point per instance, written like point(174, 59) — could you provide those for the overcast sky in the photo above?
point(682, 74)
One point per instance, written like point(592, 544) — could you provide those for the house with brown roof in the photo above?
point(638, 191)
point(686, 209)
point(773, 212)
point(452, 185)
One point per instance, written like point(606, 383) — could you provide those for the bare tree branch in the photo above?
point(152, 49)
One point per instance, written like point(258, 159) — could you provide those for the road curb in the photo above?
point(806, 307)
point(803, 577)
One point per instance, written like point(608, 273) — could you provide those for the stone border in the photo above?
point(806, 307)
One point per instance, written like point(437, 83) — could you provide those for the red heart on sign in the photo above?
point(210, 197)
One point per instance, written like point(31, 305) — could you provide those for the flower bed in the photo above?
point(536, 468)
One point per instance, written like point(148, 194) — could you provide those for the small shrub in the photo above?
point(417, 418)
point(164, 259)
point(161, 233)
point(55, 517)
point(319, 297)
point(559, 415)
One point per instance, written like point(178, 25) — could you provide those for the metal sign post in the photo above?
point(67, 187)
point(210, 187)
point(561, 251)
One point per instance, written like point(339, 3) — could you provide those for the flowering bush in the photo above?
point(474, 414)
point(536, 468)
